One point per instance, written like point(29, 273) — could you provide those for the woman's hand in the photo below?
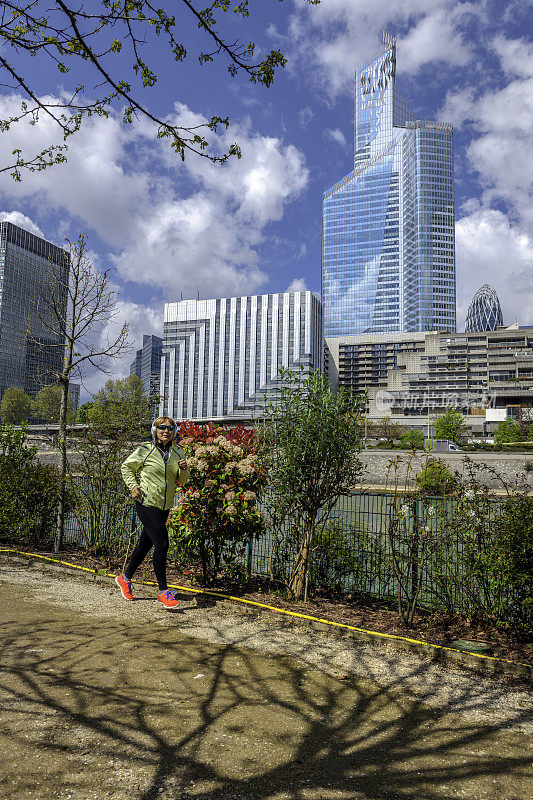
point(136, 493)
point(183, 464)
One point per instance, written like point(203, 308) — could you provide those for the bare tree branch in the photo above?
point(75, 312)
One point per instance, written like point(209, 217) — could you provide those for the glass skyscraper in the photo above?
point(30, 355)
point(484, 312)
point(388, 247)
point(147, 364)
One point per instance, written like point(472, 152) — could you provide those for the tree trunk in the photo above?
point(297, 581)
point(60, 519)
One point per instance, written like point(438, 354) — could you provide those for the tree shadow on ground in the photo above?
point(147, 712)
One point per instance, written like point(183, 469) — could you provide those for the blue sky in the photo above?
point(169, 229)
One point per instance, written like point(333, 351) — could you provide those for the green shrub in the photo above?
point(29, 491)
point(507, 431)
point(413, 438)
point(436, 478)
point(509, 562)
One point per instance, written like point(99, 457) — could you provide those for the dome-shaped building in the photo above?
point(484, 312)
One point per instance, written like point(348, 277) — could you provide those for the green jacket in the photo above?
point(146, 468)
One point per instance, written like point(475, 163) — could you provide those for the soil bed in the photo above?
point(435, 627)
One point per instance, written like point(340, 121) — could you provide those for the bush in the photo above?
point(507, 431)
point(101, 504)
point(413, 438)
point(217, 514)
point(29, 491)
point(509, 562)
point(436, 478)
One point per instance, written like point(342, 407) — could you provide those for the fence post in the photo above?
point(249, 553)
point(414, 549)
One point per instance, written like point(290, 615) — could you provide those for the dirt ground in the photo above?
point(435, 627)
point(104, 699)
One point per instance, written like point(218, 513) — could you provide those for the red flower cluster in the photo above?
point(190, 432)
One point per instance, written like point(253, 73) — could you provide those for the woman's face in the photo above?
point(165, 431)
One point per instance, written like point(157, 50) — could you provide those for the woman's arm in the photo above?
point(129, 469)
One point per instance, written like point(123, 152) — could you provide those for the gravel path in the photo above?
point(484, 699)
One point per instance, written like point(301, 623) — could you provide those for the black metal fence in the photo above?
point(353, 550)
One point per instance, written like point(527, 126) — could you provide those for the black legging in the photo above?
point(154, 533)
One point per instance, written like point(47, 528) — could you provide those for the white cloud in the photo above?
point(141, 320)
point(20, 219)
point(489, 249)
point(179, 227)
point(337, 36)
point(336, 135)
point(502, 120)
point(297, 285)
point(305, 115)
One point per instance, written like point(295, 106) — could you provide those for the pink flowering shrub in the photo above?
point(217, 514)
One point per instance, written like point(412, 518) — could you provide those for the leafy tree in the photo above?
point(389, 430)
point(82, 414)
point(99, 40)
point(47, 404)
point(413, 438)
point(507, 431)
point(310, 441)
point(451, 425)
point(100, 502)
point(15, 407)
point(123, 403)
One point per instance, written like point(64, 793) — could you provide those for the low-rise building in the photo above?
point(414, 376)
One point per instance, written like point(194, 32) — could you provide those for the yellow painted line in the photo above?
point(220, 596)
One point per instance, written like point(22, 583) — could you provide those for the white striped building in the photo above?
point(221, 358)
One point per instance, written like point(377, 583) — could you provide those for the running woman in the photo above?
point(151, 473)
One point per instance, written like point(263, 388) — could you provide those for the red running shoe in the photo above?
point(125, 586)
point(167, 599)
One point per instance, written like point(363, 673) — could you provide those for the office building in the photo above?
point(222, 358)
point(484, 312)
point(359, 362)
point(147, 364)
point(388, 246)
point(74, 391)
point(487, 375)
point(30, 355)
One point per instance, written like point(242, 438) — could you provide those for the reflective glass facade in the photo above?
point(388, 252)
point(484, 312)
point(28, 362)
point(147, 364)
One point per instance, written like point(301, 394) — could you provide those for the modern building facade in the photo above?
point(30, 355)
point(413, 376)
point(222, 358)
point(484, 312)
point(360, 362)
point(388, 246)
point(147, 364)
